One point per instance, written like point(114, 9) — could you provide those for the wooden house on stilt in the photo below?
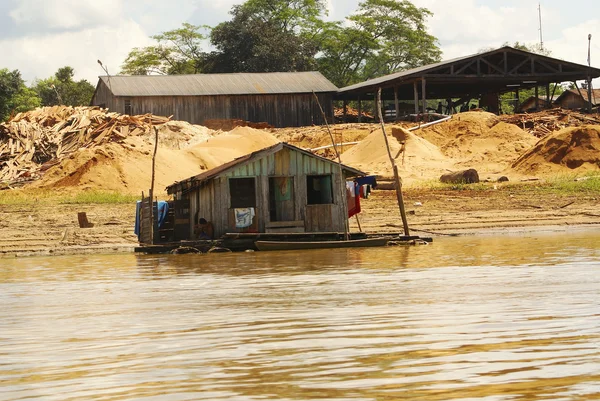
point(280, 191)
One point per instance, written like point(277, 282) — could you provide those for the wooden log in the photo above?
point(469, 176)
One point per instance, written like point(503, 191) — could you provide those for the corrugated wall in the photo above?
point(213, 202)
point(286, 110)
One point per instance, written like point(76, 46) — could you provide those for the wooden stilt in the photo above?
point(397, 179)
point(152, 217)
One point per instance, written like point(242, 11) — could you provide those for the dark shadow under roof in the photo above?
point(218, 84)
point(197, 180)
point(494, 71)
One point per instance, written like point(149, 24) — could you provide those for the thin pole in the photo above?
point(541, 38)
point(339, 158)
point(590, 73)
point(395, 168)
point(152, 183)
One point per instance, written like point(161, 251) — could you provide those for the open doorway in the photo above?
point(281, 198)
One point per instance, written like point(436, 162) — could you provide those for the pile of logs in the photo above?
point(546, 122)
point(33, 141)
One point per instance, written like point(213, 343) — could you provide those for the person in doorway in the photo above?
point(204, 229)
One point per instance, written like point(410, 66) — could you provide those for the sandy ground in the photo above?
point(476, 139)
point(53, 229)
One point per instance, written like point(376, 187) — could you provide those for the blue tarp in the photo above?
point(162, 212)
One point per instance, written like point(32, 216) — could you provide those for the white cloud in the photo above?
point(40, 56)
point(66, 14)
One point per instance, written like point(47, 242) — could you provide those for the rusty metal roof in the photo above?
point(195, 181)
point(486, 72)
point(218, 84)
point(584, 94)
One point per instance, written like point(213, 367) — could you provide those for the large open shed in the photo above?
point(484, 76)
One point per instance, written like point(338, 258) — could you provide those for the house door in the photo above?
point(281, 198)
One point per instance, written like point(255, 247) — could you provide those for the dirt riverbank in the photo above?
point(52, 229)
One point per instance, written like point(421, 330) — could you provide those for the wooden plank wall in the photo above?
point(284, 110)
point(212, 200)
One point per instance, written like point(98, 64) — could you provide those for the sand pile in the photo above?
point(416, 158)
point(574, 148)
point(127, 166)
point(223, 148)
point(317, 136)
point(479, 140)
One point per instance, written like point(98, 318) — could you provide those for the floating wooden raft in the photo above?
point(32, 141)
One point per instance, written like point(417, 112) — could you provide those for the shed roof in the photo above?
point(584, 95)
point(224, 168)
point(497, 70)
point(218, 84)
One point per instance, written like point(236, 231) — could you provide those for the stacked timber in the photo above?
point(546, 122)
point(33, 141)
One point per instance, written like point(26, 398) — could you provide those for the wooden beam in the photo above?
point(424, 94)
point(396, 102)
point(359, 110)
point(416, 97)
point(465, 67)
point(537, 98)
point(521, 64)
point(493, 66)
point(505, 63)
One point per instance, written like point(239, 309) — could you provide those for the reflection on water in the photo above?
point(509, 318)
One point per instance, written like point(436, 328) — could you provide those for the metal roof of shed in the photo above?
point(492, 71)
point(219, 84)
point(197, 180)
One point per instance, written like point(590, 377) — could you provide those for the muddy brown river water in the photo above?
point(490, 318)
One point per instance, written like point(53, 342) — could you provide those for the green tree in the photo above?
point(268, 35)
point(62, 89)
point(382, 37)
point(178, 51)
point(15, 97)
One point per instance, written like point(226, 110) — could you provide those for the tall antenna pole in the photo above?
point(590, 103)
point(541, 37)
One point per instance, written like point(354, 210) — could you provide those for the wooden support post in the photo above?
point(548, 96)
point(397, 179)
point(589, 88)
point(345, 119)
point(416, 89)
point(152, 217)
point(537, 98)
point(396, 102)
point(424, 95)
point(359, 110)
point(376, 114)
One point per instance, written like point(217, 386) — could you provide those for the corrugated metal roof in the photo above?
point(416, 71)
point(219, 84)
point(584, 93)
point(219, 170)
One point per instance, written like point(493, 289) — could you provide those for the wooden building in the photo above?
point(482, 76)
point(530, 104)
point(281, 99)
point(574, 99)
point(279, 189)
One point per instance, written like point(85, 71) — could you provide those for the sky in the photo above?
point(37, 37)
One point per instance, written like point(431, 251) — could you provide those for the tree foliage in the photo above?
point(62, 89)
point(178, 51)
point(267, 36)
point(15, 96)
point(381, 37)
